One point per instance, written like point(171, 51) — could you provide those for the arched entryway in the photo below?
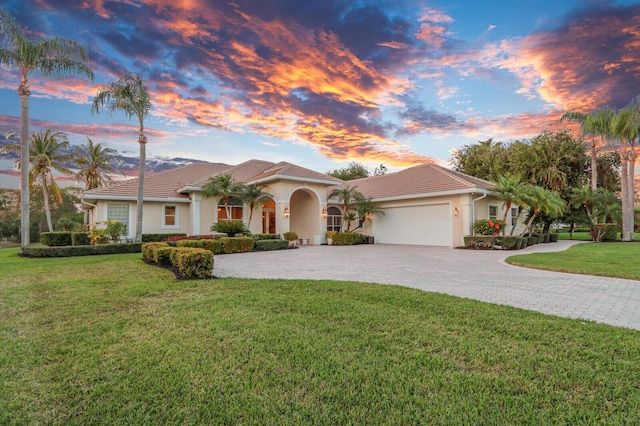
point(305, 214)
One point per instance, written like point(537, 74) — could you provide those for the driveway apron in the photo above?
point(480, 275)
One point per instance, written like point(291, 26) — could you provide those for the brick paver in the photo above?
point(479, 275)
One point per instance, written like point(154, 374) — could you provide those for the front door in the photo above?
point(268, 221)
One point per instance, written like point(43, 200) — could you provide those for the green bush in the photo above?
point(510, 242)
point(163, 255)
point(193, 263)
point(80, 239)
point(154, 238)
point(190, 243)
point(67, 251)
point(532, 240)
point(61, 238)
point(237, 244)
point(148, 250)
point(605, 232)
point(214, 246)
point(488, 227)
point(347, 238)
point(290, 236)
point(194, 237)
point(231, 228)
point(553, 238)
point(265, 245)
point(259, 237)
point(479, 242)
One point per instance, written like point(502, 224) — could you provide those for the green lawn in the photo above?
point(605, 259)
point(110, 340)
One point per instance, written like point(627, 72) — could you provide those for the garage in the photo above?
point(421, 225)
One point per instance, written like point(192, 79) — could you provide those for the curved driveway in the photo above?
point(481, 275)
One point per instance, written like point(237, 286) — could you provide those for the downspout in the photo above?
point(86, 216)
point(473, 211)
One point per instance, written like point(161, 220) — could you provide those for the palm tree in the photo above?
point(595, 124)
point(222, 187)
point(51, 57)
point(625, 126)
point(251, 195)
point(95, 163)
point(346, 196)
point(543, 201)
point(130, 95)
point(366, 210)
point(46, 154)
point(509, 189)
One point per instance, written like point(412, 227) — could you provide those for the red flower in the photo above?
point(495, 234)
point(497, 226)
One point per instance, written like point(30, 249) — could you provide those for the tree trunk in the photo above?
point(251, 206)
point(594, 166)
point(24, 92)
point(624, 183)
point(631, 192)
point(139, 204)
point(47, 209)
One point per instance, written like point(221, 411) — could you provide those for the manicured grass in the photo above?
point(110, 340)
point(605, 259)
point(577, 236)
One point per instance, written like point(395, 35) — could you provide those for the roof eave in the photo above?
point(103, 197)
point(474, 190)
point(295, 179)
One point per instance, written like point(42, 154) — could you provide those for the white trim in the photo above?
point(430, 195)
point(295, 179)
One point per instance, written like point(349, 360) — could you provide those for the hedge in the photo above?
point(67, 251)
point(80, 238)
point(62, 238)
point(510, 242)
point(237, 244)
point(195, 237)
point(214, 246)
point(479, 242)
point(187, 262)
point(265, 245)
point(347, 238)
point(260, 237)
point(154, 238)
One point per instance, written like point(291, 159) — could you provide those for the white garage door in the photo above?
point(423, 225)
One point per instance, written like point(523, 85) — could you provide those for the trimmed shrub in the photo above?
point(488, 227)
point(80, 239)
point(193, 263)
point(347, 238)
point(237, 244)
point(265, 245)
point(510, 242)
point(148, 250)
point(155, 238)
point(605, 232)
point(290, 236)
point(190, 243)
point(553, 238)
point(259, 237)
point(162, 255)
point(67, 251)
point(51, 239)
point(479, 242)
point(214, 246)
point(194, 237)
point(532, 240)
point(523, 242)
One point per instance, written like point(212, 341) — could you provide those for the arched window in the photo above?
point(334, 219)
point(235, 205)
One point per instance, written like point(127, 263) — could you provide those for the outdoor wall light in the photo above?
point(456, 212)
point(286, 211)
point(324, 211)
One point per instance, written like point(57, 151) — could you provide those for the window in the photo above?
point(334, 219)
point(493, 212)
point(170, 217)
point(514, 216)
point(120, 213)
point(235, 205)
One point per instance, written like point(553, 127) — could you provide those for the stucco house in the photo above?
point(424, 205)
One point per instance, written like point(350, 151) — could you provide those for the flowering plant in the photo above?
point(488, 227)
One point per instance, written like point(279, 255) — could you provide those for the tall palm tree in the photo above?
point(625, 126)
point(129, 95)
point(346, 196)
point(222, 187)
point(95, 162)
point(251, 195)
point(366, 210)
point(595, 124)
point(51, 57)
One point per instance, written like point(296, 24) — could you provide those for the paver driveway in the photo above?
point(480, 275)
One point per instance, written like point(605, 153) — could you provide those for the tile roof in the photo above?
point(167, 184)
point(417, 180)
point(162, 185)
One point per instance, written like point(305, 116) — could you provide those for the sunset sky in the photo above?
point(321, 83)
